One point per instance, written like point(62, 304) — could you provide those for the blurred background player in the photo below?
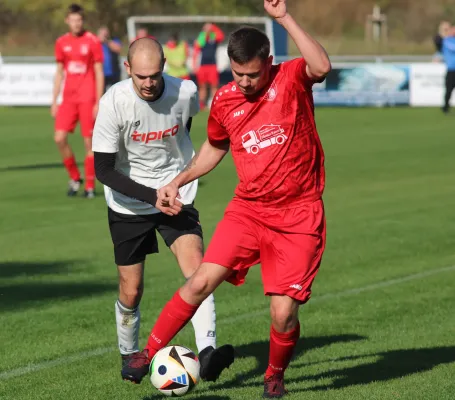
point(448, 53)
point(276, 217)
point(443, 32)
point(176, 52)
point(132, 162)
point(111, 57)
point(205, 47)
point(142, 33)
point(79, 57)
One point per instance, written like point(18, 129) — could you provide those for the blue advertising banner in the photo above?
point(365, 85)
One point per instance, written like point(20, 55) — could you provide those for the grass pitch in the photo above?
point(381, 322)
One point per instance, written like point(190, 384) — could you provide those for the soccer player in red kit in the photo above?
point(79, 57)
point(266, 118)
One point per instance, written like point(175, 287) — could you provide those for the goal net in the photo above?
point(188, 28)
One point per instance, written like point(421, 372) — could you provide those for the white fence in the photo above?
point(354, 81)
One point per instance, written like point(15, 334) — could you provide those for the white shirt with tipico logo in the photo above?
point(150, 138)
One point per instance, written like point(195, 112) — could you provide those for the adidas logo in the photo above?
point(180, 379)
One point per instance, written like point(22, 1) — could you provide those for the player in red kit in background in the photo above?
point(266, 118)
point(79, 57)
point(205, 48)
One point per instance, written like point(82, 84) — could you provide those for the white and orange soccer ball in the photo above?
point(174, 371)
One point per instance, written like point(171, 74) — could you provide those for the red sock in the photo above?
point(89, 172)
point(175, 315)
point(71, 167)
point(281, 349)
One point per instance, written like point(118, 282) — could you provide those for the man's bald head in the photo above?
point(146, 48)
point(145, 64)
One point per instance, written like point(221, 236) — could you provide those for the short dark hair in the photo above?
point(247, 43)
point(75, 9)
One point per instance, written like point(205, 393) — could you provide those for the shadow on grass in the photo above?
point(390, 365)
point(18, 268)
point(260, 351)
point(29, 292)
point(16, 296)
point(31, 167)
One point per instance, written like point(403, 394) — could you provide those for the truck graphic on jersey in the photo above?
point(265, 136)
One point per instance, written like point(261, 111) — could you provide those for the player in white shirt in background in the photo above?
point(141, 142)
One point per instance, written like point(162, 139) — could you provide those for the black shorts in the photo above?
point(134, 236)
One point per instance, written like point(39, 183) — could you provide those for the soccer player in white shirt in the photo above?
point(141, 142)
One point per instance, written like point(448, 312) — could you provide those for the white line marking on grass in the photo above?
point(31, 368)
point(349, 292)
point(53, 363)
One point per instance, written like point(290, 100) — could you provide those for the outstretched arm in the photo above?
point(317, 60)
point(207, 158)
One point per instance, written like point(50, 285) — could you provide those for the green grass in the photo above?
point(390, 210)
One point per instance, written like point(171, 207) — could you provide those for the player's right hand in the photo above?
point(168, 210)
point(54, 108)
point(168, 194)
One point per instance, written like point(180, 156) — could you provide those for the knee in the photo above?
point(284, 319)
point(60, 139)
point(198, 285)
point(131, 295)
point(88, 146)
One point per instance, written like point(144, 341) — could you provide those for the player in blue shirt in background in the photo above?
point(111, 53)
point(448, 52)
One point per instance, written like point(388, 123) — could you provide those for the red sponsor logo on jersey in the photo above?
point(151, 136)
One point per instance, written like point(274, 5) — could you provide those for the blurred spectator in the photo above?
point(142, 33)
point(207, 74)
point(111, 51)
point(443, 31)
point(176, 52)
point(448, 52)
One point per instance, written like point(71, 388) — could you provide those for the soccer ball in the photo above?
point(175, 370)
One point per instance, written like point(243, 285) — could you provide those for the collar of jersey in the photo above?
point(157, 101)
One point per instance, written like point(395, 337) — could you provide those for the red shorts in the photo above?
point(287, 243)
point(208, 74)
point(69, 113)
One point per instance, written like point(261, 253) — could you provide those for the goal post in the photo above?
point(188, 27)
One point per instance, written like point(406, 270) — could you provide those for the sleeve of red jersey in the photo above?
point(59, 55)
point(97, 51)
point(297, 69)
point(217, 134)
point(219, 34)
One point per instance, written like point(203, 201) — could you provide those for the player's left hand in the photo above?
point(275, 8)
point(95, 110)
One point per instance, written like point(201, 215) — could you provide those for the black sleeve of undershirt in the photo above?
point(107, 174)
point(188, 124)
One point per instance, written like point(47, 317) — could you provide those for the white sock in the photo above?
point(128, 322)
point(204, 324)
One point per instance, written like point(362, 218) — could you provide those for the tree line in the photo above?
point(409, 20)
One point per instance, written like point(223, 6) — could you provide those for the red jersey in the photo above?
point(78, 54)
point(273, 138)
